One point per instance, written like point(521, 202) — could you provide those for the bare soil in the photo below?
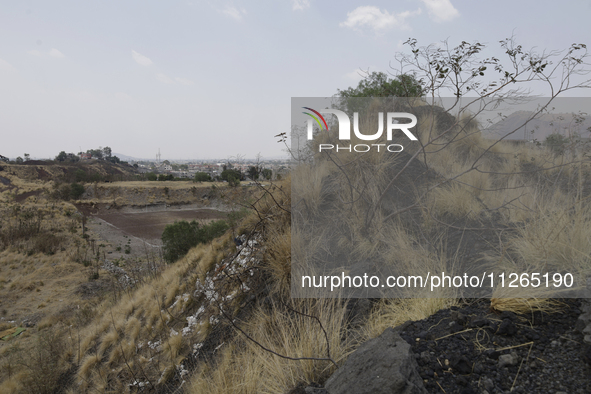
point(132, 233)
point(23, 196)
point(150, 225)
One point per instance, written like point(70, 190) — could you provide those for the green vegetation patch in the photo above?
point(180, 237)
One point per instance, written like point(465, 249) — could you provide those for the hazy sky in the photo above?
point(213, 79)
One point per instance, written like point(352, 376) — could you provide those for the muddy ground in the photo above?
point(133, 232)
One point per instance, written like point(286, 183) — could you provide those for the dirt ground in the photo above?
point(136, 233)
point(150, 225)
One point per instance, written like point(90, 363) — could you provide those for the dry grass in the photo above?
point(149, 192)
point(455, 200)
point(556, 239)
point(278, 258)
point(391, 313)
point(245, 367)
point(525, 306)
point(143, 325)
point(310, 189)
point(35, 367)
point(39, 283)
point(134, 186)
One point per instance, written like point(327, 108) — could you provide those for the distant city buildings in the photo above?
point(214, 168)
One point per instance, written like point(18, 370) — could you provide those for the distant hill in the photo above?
point(540, 127)
point(123, 157)
point(81, 171)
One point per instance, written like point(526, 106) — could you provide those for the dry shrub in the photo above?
point(41, 367)
point(47, 243)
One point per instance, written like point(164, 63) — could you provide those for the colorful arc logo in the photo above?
point(315, 118)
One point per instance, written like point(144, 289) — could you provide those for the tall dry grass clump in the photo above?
point(394, 312)
point(255, 365)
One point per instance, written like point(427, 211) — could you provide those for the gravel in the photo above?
point(470, 349)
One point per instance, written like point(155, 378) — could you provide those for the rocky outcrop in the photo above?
point(383, 365)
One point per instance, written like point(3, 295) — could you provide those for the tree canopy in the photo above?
point(233, 177)
point(202, 177)
point(379, 84)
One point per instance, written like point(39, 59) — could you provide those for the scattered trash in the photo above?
point(11, 333)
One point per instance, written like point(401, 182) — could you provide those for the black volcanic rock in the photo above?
point(383, 365)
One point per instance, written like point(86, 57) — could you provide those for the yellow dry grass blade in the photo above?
point(525, 306)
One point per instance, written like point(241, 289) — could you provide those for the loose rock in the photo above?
point(383, 365)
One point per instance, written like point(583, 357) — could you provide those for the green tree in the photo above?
point(180, 237)
point(80, 175)
point(212, 230)
point(96, 153)
point(233, 181)
point(202, 177)
point(166, 177)
point(76, 190)
point(62, 156)
point(253, 172)
point(226, 174)
point(107, 153)
point(151, 176)
point(379, 84)
point(19, 160)
point(267, 173)
point(27, 157)
point(234, 217)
